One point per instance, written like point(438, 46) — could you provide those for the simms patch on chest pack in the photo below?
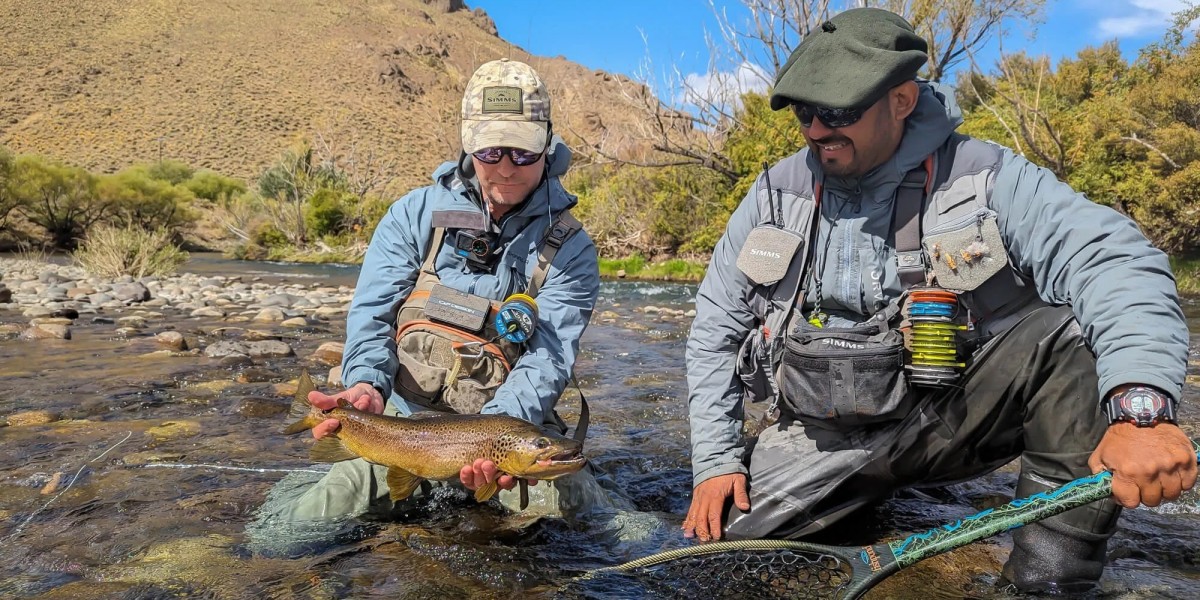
point(452, 307)
point(768, 252)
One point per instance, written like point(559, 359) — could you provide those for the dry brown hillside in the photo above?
point(227, 85)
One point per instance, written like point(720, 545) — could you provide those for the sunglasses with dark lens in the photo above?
point(833, 118)
point(519, 157)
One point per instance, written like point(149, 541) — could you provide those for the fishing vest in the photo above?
point(451, 368)
point(942, 226)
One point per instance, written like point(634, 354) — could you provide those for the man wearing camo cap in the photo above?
point(481, 228)
point(1049, 327)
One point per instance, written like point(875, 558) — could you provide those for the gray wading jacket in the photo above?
point(1061, 249)
point(565, 302)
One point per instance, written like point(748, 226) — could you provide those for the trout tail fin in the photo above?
point(301, 409)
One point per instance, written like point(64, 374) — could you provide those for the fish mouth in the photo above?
point(562, 463)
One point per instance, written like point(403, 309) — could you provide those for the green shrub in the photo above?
point(326, 212)
point(108, 251)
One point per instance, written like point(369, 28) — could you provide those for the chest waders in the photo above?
point(452, 355)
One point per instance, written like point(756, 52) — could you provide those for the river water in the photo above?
point(145, 485)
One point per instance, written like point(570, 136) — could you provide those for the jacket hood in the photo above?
point(934, 119)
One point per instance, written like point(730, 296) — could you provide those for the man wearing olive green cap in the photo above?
point(1047, 327)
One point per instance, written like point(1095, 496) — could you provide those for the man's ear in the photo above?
point(904, 99)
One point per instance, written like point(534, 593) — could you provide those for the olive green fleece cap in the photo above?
point(850, 61)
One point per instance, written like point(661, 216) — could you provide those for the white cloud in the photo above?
point(723, 87)
point(1141, 17)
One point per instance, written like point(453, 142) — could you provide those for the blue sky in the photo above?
point(621, 35)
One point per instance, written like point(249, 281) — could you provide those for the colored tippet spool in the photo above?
point(933, 343)
point(517, 318)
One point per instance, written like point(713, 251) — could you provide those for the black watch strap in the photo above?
point(1141, 405)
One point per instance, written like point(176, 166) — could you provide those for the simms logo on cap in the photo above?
point(502, 100)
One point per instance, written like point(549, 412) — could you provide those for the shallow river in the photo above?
point(145, 486)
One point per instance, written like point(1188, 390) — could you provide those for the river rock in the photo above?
point(329, 353)
point(175, 429)
point(269, 315)
point(34, 312)
point(260, 407)
point(131, 293)
point(172, 339)
point(32, 417)
point(103, 321)
point(132, 321)
point(5, 295)
point(227, 348)
point(327, 313)
point(335, 377)
point(209, 311)
point(269, 349)
point(295, 322)
point(48, 331)
point(50, 321)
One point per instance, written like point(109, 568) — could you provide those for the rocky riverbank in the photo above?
point(53, 299)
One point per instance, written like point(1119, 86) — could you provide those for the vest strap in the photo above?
point(562, 228)
point(906, 223)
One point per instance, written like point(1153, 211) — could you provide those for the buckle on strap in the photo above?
point(559, 232)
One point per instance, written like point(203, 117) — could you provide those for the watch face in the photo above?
point(1142, 405)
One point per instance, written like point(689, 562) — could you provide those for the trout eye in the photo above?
point(542, 443)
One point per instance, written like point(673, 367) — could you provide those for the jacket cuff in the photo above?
point(1108, 384)
point(717, 470)
point(371, 376)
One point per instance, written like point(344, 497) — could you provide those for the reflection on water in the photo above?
point(143, 486)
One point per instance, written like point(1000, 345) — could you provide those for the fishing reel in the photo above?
point(517, 318)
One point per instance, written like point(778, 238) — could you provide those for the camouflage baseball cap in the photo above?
point(505, 104)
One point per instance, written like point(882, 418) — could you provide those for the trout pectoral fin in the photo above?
point(401, 483)
point(331, 449)
point(486, 491)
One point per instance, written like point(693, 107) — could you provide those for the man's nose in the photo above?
point(506, 167)
point(818, 129)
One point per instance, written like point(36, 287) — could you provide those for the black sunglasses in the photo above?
point(519, 157)
point(833, 118)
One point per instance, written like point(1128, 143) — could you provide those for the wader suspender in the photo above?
point(906, 223)
point(561, 229)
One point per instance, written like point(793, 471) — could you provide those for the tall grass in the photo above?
point(109, 251)
point(636, 267)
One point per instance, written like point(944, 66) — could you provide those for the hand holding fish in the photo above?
point(362, 396)
point(483, 471)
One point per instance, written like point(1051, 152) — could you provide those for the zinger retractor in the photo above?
point(517, 318)
point(933, 341)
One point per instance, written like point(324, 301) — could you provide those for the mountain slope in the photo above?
point(229, 85)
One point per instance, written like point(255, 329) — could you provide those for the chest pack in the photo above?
point(451, 352)
point(945, 238)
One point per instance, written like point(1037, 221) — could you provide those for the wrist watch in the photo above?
point(1141, 405)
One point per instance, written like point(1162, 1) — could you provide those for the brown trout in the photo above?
point(435, 447)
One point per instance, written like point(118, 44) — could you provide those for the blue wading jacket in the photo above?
point(565, 302)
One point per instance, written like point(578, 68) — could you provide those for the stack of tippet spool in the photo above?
point(933, 339)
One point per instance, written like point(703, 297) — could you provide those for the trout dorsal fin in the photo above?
point(343, 403)
point(331, 448)
point(486, 491)
point(401, 483)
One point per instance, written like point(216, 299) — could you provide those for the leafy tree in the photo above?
point(60, 199)
point(214, 187)
point(136, 200)
point(9, 200)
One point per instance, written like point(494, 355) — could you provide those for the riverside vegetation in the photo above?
point(1126, 133)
